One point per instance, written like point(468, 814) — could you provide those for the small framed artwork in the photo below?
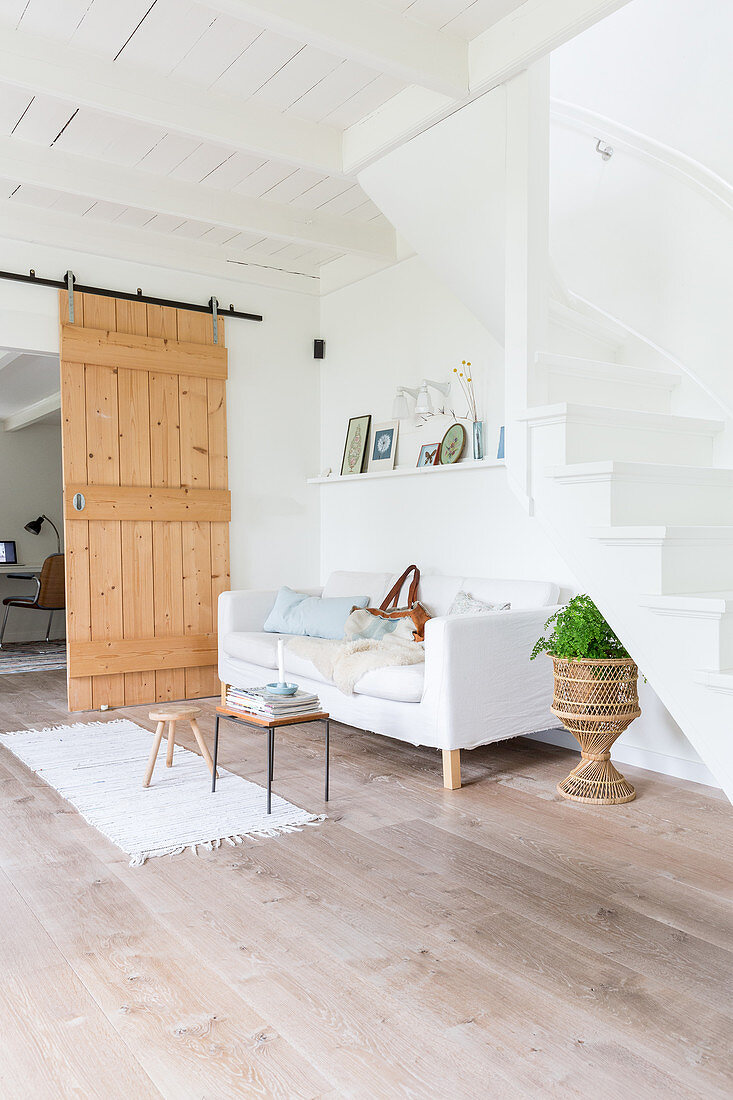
point(428, 454)
point(355, 448)
point(452, 445)
point(384, 446)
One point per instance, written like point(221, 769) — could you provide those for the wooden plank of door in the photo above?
point(198, 611)
point(137, 534)
point(218, 479)
point(130, 502)
point(133, 655)
point(76, 535)
point(108, 348)
point(165, 471)
point(103, 468)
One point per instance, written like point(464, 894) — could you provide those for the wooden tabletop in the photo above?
point(268, 723)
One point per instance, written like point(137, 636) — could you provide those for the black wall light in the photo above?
point(35, 525)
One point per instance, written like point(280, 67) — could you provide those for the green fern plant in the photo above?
point(579, 630)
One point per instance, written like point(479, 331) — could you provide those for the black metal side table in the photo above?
point(253, 721)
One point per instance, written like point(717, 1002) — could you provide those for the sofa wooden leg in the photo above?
point(451, 769)
point(223, 693)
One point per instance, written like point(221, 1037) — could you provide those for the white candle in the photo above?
point(280, 661)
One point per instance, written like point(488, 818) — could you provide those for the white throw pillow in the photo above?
point(466, 604)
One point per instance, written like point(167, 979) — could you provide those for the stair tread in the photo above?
point(650, 470)
point(714, 678)
point(722, 532)
point(633, 417)
point(717, 601)
point(648, 376)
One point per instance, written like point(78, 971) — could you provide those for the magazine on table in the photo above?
point(260, 701)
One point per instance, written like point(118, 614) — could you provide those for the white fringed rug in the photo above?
point(99, 767)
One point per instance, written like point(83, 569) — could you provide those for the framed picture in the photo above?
point(428, 454)
point(452, 445)
point(355, 448)
point(384, 446)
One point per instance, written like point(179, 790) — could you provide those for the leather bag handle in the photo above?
point(392, 599)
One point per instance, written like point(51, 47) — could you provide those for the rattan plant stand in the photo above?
point(596, 701)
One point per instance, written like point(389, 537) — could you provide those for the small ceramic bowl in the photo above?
point(282, 689)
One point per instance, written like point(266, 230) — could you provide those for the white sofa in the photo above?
point(476, 685)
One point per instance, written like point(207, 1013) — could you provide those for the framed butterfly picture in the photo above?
point(428, 455)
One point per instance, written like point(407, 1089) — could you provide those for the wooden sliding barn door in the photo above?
point(144, 447)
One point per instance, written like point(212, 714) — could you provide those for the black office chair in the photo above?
point(50, 592)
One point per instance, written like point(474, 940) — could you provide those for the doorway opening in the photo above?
point(32, 569)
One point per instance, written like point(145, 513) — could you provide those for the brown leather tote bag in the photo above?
point(414, 610)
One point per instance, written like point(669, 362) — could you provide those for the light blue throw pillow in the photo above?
point(312, 616)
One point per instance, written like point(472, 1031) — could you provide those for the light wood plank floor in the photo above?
point(495, 941)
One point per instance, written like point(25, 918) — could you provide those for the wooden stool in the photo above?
point(171, 715)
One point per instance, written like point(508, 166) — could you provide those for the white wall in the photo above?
point(272, 397)
point(391, 329)
point(661, 67)
point(445, 193)
point(647, 235)
point(30, 460)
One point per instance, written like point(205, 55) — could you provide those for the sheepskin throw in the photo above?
point(346, 662)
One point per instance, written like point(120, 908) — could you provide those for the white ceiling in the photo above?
point(241, 63)
point(26, 379)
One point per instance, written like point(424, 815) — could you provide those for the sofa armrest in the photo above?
point(479, 681)
point(247, 609)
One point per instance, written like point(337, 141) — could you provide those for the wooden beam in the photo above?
point(528, 33)
point(60, 171)
point(112, 656)
point(86, 80)
point(8, 357)
point(149, 353)
point(19, 222)
point(367, 32)
point(31, 414)
point(133, 503)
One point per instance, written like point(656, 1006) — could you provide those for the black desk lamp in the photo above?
point(35, 526)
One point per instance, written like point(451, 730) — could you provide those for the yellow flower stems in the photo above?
point(468, 390)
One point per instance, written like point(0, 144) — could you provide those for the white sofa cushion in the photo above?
point(520, 594)
point(346, 583)
point(402, 684)
point(252, 646)
point(257, 648)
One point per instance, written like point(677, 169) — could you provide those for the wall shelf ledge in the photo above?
point(409, 471)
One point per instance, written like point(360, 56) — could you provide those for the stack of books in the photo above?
point(260, 702)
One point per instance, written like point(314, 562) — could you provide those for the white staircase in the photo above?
point(630, 493)
point(617, 454)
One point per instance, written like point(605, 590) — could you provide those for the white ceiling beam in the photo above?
point(83, 79)
point(529, 33)
point(8, 357)
point(31, 414)
point(512, 44)
point(367, 32)
point(74, 235)
point(52, 168)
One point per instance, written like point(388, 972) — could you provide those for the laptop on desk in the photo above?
point(8, 555)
